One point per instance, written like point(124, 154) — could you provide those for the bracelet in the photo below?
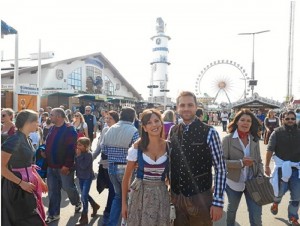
point(267, 166)
point(20, 182)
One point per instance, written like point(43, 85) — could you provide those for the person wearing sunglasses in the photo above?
point(284, 148)
point(7, 126)
point(80, 125)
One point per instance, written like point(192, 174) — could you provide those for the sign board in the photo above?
point(27, 90)
point(7, 86)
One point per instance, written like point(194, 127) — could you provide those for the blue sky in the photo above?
point(201, 32)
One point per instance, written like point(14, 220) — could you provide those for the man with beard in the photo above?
point(284, 148)
point(195, 148)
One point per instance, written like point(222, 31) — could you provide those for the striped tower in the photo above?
point(159, 66)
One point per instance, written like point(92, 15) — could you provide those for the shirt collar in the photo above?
point(187, 126)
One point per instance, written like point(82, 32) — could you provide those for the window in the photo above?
point(93, 72)
point(108, 86)
point(74, 79)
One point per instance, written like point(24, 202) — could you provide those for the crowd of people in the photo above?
point(152, 162)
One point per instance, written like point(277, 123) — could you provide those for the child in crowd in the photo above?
point(85, 174)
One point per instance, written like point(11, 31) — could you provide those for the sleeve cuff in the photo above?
point(218, 202)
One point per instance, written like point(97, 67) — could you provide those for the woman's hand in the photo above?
point(247, 161)
point(27, 186)
point(124, 211)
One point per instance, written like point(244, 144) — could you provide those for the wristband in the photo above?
point(267, 166)
point(20, 182)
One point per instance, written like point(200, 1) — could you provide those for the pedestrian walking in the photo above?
point(85, 174)
point(111, 118)
point(284, 148)
point(271, 122)
point(115, 145)
point(17, 170)
point(243, 161)
point(91, 123)
point(60, 155)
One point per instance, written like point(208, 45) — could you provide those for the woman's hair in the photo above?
point(80, 116)
point(85, 141)
point(254, 124)
point(10, 112)
point(143, 142)
point(114, 115)
point(269, 113)
point(169, 116)
point(25, 116)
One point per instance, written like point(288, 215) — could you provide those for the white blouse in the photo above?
point(133, 154)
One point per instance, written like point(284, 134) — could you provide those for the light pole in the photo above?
point(253, 82)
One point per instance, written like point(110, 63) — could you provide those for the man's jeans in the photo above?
point(234, 198)
point(116, 173)
point(294, 186)
point(57, 181)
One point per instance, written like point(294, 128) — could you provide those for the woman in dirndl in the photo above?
point(17, 170)
point(149, 202)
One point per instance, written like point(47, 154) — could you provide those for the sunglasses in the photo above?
point(87, 110)
point(293, 119)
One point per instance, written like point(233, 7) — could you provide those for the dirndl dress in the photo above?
point(149, 201)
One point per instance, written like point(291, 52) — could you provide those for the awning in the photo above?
point(95, 97)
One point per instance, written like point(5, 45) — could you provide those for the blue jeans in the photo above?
point(57, 181)
point(116, 173)
point(294, 186)
point(234, 198)
point(85, 185)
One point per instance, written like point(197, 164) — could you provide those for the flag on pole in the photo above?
point(6, 29)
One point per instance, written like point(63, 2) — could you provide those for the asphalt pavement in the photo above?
point(68, 217)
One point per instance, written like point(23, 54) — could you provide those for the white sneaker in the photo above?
point(52, 218)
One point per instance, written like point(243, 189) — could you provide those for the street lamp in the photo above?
point(253, 82)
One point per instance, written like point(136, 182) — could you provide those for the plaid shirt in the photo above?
point(117, 154)
point(214, 143)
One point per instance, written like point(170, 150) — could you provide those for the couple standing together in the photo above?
point(193, 150)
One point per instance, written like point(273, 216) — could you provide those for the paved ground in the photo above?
point(69, 218)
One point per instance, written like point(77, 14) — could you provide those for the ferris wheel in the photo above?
point(222, 81)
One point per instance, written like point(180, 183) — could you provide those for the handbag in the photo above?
point(102, 179)
point(260, 190)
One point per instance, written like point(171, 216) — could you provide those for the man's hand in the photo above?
point(267, 170)
point(216, 213)
point(65, 170)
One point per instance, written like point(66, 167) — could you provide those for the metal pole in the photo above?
point(39, 78)
point(253, 46)
point(253, 64)
point(16, 74)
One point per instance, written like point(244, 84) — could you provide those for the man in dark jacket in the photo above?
point(60, 154)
